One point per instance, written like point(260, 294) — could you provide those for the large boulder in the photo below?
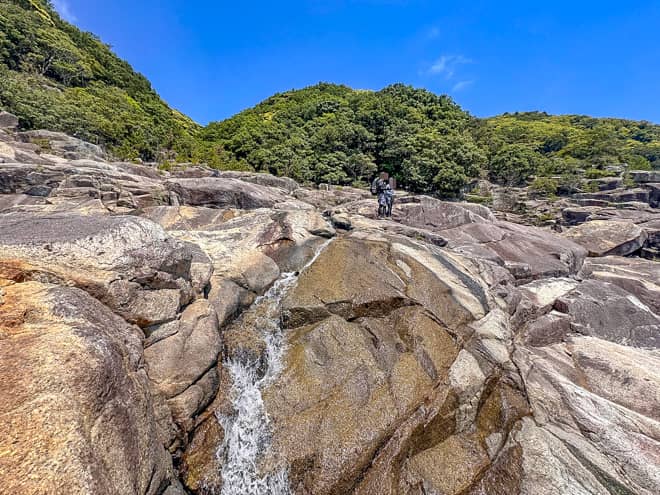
point(128, 263)
point(226, 193)
point(181, 356)
point(603, 238)
point(8, 120)
point(75, 406)
point(375, 385)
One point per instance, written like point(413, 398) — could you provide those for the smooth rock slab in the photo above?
point(226, 193)
point(603, 238)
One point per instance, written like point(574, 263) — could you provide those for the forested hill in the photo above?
point(535, 143)
point(330, 133)
point(54, 76)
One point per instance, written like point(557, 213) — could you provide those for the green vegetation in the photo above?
point(331, 133)
point(53, 76)
point(56, 77)
point(545, 186)
point(534, 143)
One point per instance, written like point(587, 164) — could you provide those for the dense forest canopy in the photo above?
point(331, 133)
point(542, 144)
point(56, 77)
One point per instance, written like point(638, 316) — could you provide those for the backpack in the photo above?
point(374, 187)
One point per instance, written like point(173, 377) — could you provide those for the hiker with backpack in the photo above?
point(382, 187)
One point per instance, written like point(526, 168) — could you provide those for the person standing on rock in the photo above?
point(389, 196)
point(379, 187)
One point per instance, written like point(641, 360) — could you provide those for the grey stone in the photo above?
point(8, 120)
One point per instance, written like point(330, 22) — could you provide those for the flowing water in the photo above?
point(247, 433)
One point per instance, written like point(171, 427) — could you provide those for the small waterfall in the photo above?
point(247, 433)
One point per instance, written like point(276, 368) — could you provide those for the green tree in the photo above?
point(514, 164)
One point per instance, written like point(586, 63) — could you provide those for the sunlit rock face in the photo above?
point(75, 405)
point(237, 334)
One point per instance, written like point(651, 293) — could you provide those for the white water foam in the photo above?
point(247, 433)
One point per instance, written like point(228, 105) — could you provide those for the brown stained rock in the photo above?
point(75, 407)
point(603, 237)
point(501, 407)
point(200, 467)
point(368, 276)
point(345, 390)
point(450, 467)
point(331, 406)
point(503, 477)
point(430, 424)
point(350, 279)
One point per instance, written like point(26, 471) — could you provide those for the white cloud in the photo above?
point(448, 64)
point(461, 85)
point(64, 9)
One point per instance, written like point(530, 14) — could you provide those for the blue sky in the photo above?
point(211, 59)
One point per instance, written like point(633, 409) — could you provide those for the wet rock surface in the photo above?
point(220, 333)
